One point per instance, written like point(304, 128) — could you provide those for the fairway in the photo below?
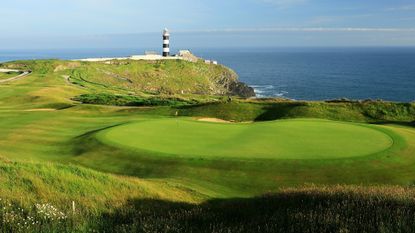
point(287, 139)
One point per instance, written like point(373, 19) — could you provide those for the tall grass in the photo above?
point(129, 100)
point(307, 209)
point(264, 110)
point(316, 209)
point(40, 218)
point(50, 197)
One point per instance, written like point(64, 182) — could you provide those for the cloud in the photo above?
point(282, 4)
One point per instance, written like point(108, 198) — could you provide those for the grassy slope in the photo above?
point(8, 75)
point(253, 110)
point(67, 136)
point(224, 178)
point(62, 184)
point(159, 77)
point(307, 209)
point(45, 88)
point(25, 186)
point(57, 136)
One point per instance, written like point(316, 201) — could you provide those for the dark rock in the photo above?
point(228, 84)
point(241, 89)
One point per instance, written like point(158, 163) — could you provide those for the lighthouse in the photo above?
point(166, 43)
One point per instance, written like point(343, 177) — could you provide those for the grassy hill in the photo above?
point(144, 77)
point(134, 159)
point(6, 75)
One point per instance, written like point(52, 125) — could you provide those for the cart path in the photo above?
point(20, 76)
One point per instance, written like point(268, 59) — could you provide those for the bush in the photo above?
point(129, 100)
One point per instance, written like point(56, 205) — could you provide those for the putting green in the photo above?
point(288, 139)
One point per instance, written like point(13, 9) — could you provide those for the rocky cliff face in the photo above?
point(227, 83)
point(241, 89)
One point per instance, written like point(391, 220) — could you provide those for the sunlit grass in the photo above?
point(56, 174)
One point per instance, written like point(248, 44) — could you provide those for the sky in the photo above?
point(40, 24)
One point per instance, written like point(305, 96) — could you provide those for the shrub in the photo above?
point(129, 100)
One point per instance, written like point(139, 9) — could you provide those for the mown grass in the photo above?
point(319, 139)
point(52, 156)
point(227, 177)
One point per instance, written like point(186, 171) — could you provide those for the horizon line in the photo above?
point(237, 30)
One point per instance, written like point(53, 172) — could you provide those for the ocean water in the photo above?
point(294, 73)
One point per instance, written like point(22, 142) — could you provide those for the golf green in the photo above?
point(287, 139)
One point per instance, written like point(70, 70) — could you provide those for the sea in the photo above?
point(386, 73)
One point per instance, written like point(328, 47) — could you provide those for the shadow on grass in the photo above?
point(288, 212)
point(401, 123)
point(277, 111)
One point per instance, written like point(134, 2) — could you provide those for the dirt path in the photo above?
point(20, 76)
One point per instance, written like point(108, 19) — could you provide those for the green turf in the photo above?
point(7, 75)
point(289, 139)
point(56, 150)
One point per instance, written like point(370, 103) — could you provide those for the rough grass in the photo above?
point(46, 154)
point(305, 209)
point(310, 209)
point(154, 77)
point(40, 197)
point(91, 190)
point(7, 75)
point(359, 111)
point(129, 100)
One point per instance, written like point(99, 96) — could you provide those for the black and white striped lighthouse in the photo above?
point(166, 43)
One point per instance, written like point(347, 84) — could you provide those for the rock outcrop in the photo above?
point(241, 89)
point(227, 83)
